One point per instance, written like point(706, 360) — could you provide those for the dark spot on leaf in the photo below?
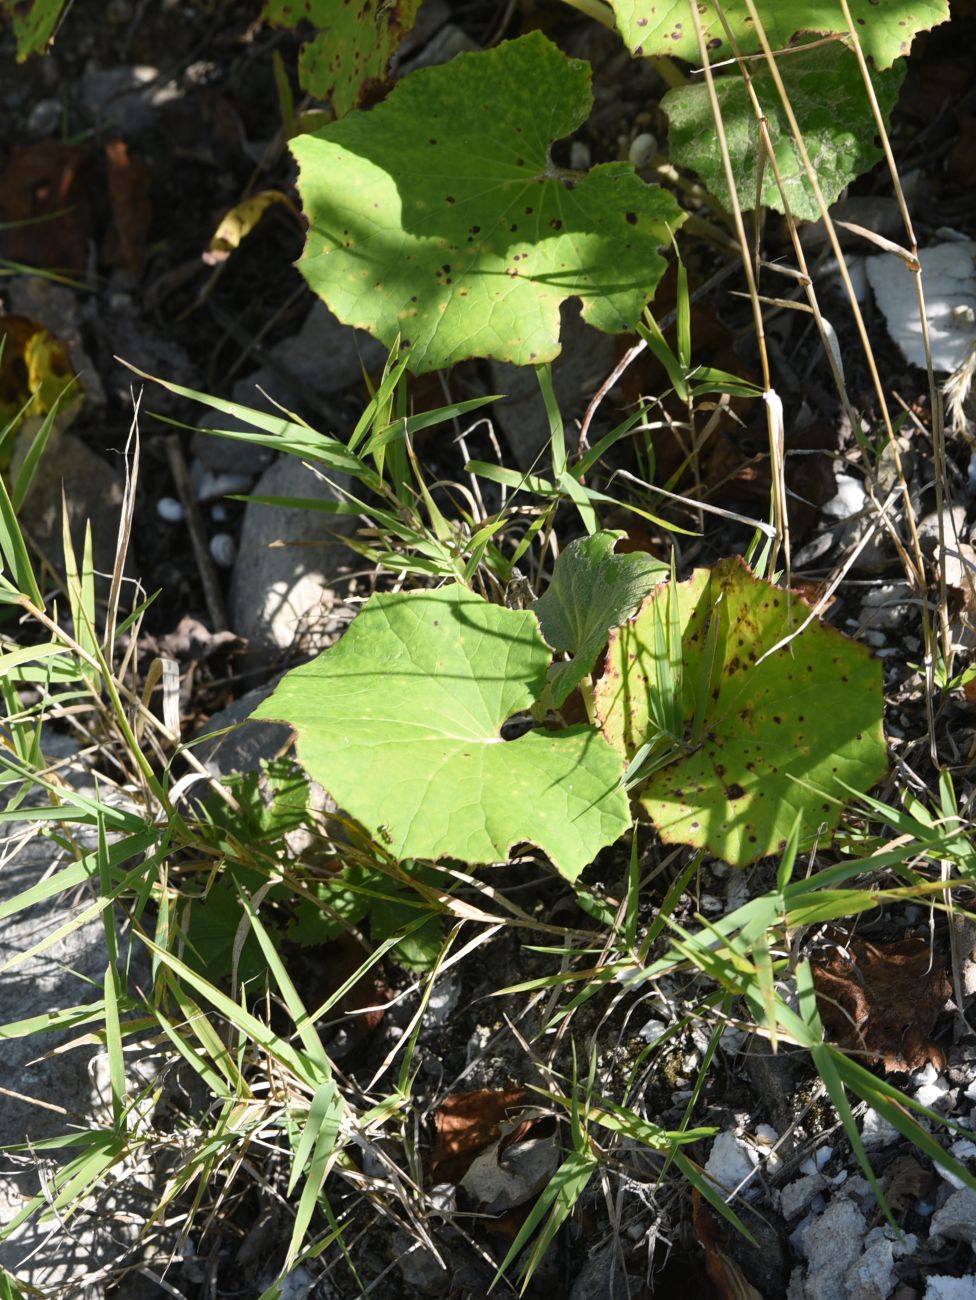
point(735, 791)
point(450, 198)
point(556, 224)
point(632, 218)
point(777, 719)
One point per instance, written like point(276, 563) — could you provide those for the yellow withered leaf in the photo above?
point(238, 223)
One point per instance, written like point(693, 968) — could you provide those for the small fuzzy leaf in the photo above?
point(753, 732)
point(401, 722)
point(350, 54)
point(592, 591)
point(885, 28)
point(439, 219)
point(831, 105)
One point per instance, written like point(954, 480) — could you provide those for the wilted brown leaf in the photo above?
point(881, 1000)
point(726, 1276)
point(128, 194)
point(466, 1123)
point(46, 180)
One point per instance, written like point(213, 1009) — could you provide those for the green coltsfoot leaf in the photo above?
point(830, 102)
point(764, 739)
point(885, 28)
point(351, 51)
point(439, 218)
point(592, 591)
point(401, 721)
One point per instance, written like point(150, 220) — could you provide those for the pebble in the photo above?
point(643, 149)
point(169, 508)
point(218, 514)
point(223, 548)
point(45, 117)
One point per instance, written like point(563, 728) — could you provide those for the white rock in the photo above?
point(957, 1218)
point(832, 1245)
point(939, 1287)
point(796, 1196)
point(949, 281)
point(930, 1094)
point(652, 1030)
point(730, 1161)
point(849, 499)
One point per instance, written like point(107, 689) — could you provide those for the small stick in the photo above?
point(208, 573)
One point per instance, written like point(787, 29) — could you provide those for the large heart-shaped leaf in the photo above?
point(831, 104)
point(754, 734)
point(592, 591)
point(440, 219)
point(885, 28)
point(401, 720)
point(352, 48)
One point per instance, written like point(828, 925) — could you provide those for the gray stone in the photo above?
point(953, 524)
point(247, 743)
point(124, 96)
point(957, 1218)
point(587, 357)
point(70, 1086)
point(228, 455)
point(93, 489)
point(327, 356)
point(420, 1267)
point(288, 563)
point(602, 1278)
point(872, 1277)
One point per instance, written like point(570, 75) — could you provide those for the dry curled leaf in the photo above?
point(467, 1123)
point(905, 1182)
point(881, 1000)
